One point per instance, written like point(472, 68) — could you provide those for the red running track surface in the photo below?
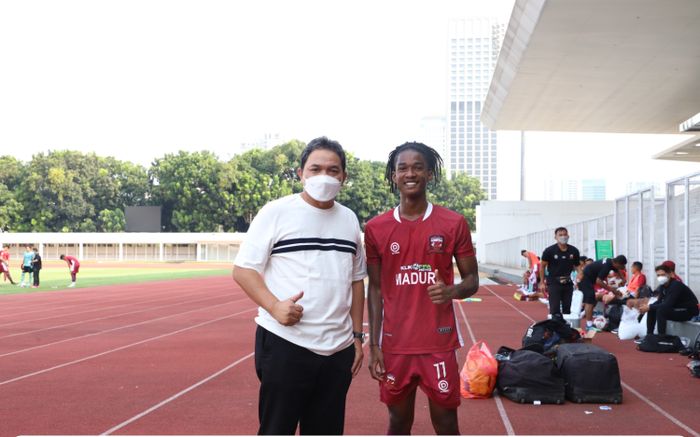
point(176, 358)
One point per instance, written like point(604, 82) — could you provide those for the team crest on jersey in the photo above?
point(436, 244)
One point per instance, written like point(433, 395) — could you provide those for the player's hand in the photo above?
point(439, 292)
point(359, 356)
point(376, 363)
point(288, 312)
point(542, 287)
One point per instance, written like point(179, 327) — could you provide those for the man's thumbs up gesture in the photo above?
point(439, 292)
point(288, 312)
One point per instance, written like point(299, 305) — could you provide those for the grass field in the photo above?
point(57, 277)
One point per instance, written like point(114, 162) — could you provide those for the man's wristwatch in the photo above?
point(360, 335)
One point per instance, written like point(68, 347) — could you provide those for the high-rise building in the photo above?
point(432, 133)
point(593, 189)
point(473, 50)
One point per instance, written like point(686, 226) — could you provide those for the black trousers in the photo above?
point(300, 387)
point(559, 297)
point(657, 316)
point(36, 277)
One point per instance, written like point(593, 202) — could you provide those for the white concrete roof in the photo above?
point(626, 66)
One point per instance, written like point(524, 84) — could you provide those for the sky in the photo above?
point(139, 79)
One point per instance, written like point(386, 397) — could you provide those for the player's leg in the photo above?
point(401, 414)
point(398, 391)
point(444, 419)
point(439, 379)
point(324, 414)
point(586, 287)
point(555, 297)
point(566, 297)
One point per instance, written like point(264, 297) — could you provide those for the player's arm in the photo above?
point(543, 268)
point(357, 313)
point(287, 312)
point(375, 309)
point(440, 292)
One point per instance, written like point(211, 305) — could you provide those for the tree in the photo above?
point(112, 221)
point(366, 192)
point(188, 186)
point(460, 193)
point(254, 178)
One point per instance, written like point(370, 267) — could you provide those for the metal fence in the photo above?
point(652, 229)
point(644, 227)
point(506, 253)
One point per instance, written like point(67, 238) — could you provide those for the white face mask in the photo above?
point(662, 279)
point(563, 240)
point(322, 188)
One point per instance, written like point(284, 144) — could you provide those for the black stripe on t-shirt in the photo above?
point(315, 240)
point(303, 247)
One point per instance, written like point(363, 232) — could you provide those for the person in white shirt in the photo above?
point(302, 262)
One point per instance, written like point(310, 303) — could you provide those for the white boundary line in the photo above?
point(144, 322)
point(497, 398)
point(129, 302)
point(176, 395)
point(39, 372)
point(48, 328)
point(625, 385)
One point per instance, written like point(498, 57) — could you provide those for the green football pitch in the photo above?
point(58, 278)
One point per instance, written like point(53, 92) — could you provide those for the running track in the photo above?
point(176, 358)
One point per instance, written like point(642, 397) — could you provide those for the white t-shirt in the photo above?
point(297, 247)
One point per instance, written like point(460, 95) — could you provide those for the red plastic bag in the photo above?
point(478, 376)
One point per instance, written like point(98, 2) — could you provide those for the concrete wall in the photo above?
point(502, 220)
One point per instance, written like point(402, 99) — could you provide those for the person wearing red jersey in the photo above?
point(414, 334)
point(5, 267)
point(5, 270)
point(73, 266)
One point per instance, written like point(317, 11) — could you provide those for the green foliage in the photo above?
point(112, 220)
point(187, 185)
point(67, 191)
point(460, 193)
point(365, 191)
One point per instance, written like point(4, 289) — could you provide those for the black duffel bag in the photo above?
point(662, 343)
point(526, 376)
point(591, 374)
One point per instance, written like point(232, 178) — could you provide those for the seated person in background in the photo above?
point(675, 302)
point(638, 279)
point(575, 276)
point(671, 265)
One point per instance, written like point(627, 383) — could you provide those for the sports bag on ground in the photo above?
point(550, 333)
point(662, 343)
point(591, 374)
point(526, 376)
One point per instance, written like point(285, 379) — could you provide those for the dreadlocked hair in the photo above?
point(432, 159)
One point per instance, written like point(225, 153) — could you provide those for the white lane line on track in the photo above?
point(625, 385)
point(661, 411)
point(97, 319)
point(99, 299)
point(176, 395)
point(188, 389)
point(129, 302)
point(39, 372)
point(496, 397)
point(92, 334)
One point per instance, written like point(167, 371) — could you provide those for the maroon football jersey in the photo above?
point(410, 253)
